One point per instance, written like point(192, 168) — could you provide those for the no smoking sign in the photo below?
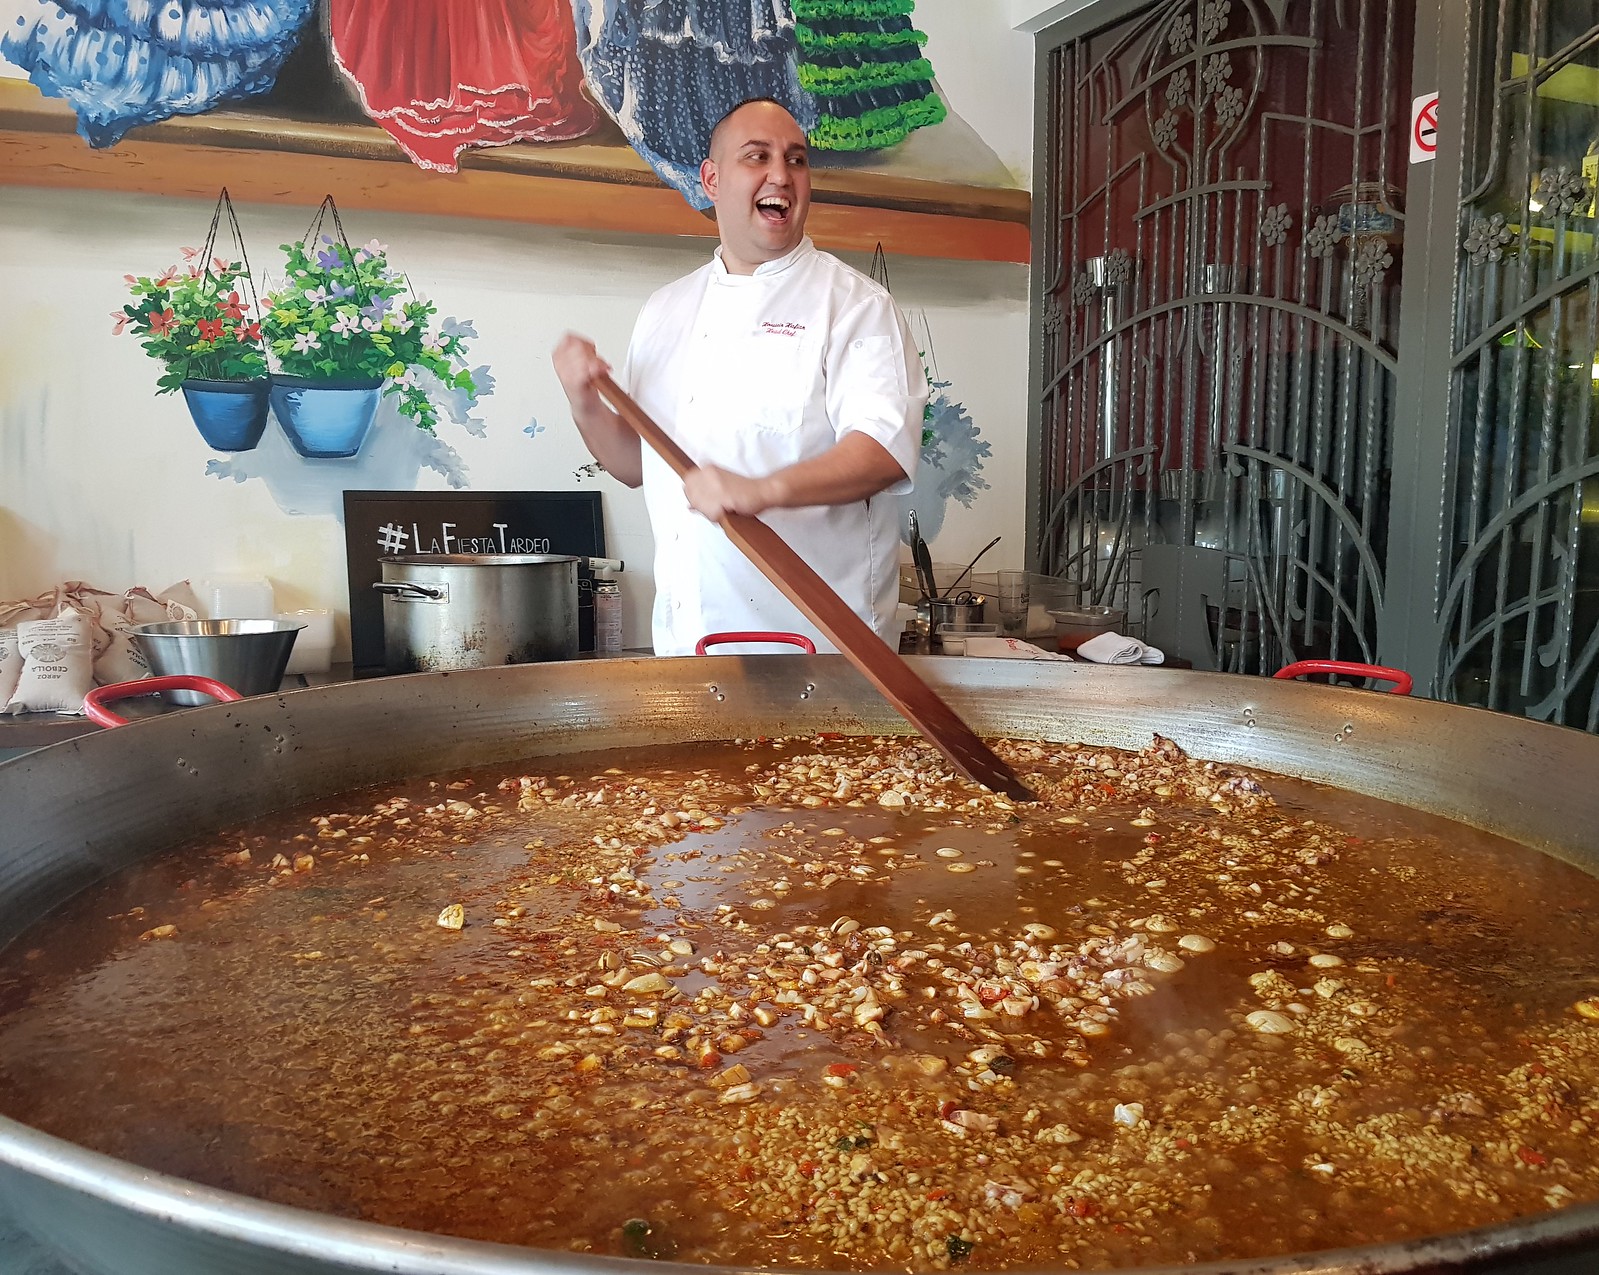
point(1424, 128)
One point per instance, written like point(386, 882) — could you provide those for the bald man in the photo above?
point(790, 379)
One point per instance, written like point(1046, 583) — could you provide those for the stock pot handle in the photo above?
point(1377, 672)
point(405, 589)
point(792, 639)
point(94, 703)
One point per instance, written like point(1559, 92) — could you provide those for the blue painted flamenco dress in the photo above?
point(668, 70)
point(121, 63)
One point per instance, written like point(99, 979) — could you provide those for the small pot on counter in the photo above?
point(447, 611)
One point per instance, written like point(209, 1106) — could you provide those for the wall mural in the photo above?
point(343, 335)
point(443, 78)
point(358, 371)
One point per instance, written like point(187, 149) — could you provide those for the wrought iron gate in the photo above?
point(1518, 608)
point(1217, 267)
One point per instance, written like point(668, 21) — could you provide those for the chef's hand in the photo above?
point(578, 364)
point(715, 492)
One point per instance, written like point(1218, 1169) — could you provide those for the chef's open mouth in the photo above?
point(773, 208)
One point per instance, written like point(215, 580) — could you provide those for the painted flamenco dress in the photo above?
point(668, 70)
point(443, 77)
point(121, 63)
point(850, 71)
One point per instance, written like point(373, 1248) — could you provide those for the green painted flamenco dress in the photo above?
point(862, 62)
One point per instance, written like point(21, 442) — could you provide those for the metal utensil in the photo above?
point(815, 598)
point(923, 559)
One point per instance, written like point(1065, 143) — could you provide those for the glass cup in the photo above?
point(1013, 601)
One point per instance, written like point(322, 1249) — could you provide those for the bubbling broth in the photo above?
point(816, 1002)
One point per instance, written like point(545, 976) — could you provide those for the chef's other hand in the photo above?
point(714, 492)
point(578, 364)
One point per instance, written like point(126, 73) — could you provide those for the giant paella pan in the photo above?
point(854, 1013)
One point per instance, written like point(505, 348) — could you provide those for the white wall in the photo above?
point(102, 480)
point(986, 71)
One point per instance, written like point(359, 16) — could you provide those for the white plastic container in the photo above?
point(313, 649)
point(236, 597)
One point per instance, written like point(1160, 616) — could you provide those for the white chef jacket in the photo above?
point(753, 373)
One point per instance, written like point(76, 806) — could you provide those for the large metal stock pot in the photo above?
point(448, 611)
point(90, 806)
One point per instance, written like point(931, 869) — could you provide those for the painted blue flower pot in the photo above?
point(230, 415)
point(325, 418)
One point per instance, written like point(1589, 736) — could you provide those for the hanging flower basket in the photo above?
point(344, 330)
point(325, 417)
point(196, 318)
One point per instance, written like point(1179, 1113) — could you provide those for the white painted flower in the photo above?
point(317, 295)
point(306, 342)
point(346, 323)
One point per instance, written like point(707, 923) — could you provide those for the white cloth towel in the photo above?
point(1113, 648)
point(1009, 649)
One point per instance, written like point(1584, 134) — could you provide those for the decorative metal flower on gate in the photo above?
point(1274, 226)
point(1178, 89)
point(1213, 18)
point(1371, 261)
point(1322, 237)
point(1229, 107)
point(1118, 267)
point(1562, 192)
point(1218, 71)
point(1181, 35)
point(1054, 316)
point(1487, 238)
point(1082, 288)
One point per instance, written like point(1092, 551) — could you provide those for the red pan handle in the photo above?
point(793, 639)
point(1398, 677)
point(94, 703)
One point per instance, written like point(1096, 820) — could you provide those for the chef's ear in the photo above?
point(708, 178)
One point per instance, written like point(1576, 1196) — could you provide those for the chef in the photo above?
point(789, 378)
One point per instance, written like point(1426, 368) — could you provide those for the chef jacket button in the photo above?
point(860, 345)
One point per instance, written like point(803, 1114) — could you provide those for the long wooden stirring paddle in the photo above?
point(833, 616)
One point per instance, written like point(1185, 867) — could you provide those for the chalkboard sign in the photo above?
point(379, 524)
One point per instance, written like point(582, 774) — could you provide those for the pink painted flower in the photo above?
point(162, 322)
point(121, 322)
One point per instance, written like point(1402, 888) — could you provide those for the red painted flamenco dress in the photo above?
point(441, 77)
